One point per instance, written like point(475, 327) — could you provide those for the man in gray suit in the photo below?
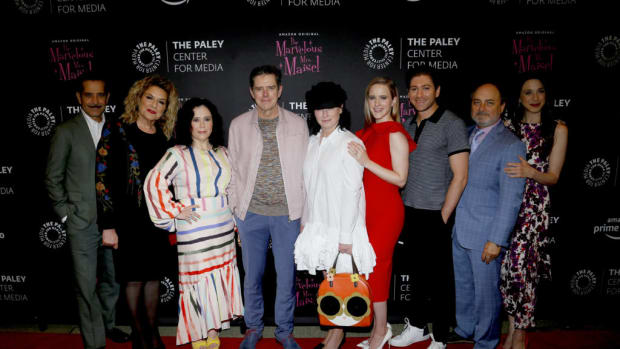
point(70, 182)
point(485, 217)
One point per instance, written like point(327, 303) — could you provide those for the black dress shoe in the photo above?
point(453, 338)
point(117, 336)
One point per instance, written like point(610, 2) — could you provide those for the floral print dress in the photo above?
point(527, 258)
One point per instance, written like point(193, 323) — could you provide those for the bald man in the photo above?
point(485, 217)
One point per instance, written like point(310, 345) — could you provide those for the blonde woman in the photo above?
point(385, 159)
point(128, 149)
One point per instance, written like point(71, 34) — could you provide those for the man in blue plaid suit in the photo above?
point(485, 218)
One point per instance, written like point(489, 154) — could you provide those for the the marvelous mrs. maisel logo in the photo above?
point(70, 58)
point(534, 51)
point(299, 53)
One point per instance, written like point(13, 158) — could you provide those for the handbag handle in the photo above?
point(354, 276)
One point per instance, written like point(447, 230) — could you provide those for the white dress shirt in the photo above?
point(335, 207)
point(94, 127)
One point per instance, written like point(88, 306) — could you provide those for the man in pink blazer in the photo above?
point(267, 148)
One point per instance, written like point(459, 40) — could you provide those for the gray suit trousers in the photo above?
point(95, 285)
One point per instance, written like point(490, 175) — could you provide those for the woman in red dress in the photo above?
point(386, 162)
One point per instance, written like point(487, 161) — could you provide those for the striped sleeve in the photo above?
point(161, 204)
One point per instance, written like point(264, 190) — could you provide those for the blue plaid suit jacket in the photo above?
point(491, 200)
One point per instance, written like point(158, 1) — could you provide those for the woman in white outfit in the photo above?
point(334, 213)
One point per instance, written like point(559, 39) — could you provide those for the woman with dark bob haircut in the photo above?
point(334, 218)
point(184, 123)
point(199, 170)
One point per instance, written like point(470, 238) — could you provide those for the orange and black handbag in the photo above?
point(344, 299)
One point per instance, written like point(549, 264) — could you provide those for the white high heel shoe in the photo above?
point(363, 344)
point(366, 343)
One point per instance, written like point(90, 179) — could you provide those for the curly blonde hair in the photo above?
point(391, 86)
point(168, 118)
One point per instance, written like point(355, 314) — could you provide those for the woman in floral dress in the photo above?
point(528, 259)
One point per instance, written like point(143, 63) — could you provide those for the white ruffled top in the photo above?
point(335, 207)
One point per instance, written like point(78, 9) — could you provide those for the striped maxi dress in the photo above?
point(209, 287)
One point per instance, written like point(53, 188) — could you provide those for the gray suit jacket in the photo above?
point(491, 200)
point(70, 174)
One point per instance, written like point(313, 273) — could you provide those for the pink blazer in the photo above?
point(245, 146)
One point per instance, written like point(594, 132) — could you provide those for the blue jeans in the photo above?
point(255, 232)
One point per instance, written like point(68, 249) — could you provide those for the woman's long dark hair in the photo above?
point(547, 123)
point(184, 123)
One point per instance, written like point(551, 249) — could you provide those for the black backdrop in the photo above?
point(208, 48)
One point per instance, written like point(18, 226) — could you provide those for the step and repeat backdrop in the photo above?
point(207, 48)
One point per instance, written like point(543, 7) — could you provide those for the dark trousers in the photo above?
point(427, 244)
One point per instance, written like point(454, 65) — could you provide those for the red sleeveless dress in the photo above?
point(385, 213)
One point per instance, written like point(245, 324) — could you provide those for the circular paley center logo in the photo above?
point(583, 282)
point(597, 172)
point(258, 2)
point(40, 121)
point(53, 235)
point(378, 53)
point(29, 7)
point(166, 290)
point(607, 51)
point(146, 57)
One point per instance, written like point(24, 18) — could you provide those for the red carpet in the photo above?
point(537, 340)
